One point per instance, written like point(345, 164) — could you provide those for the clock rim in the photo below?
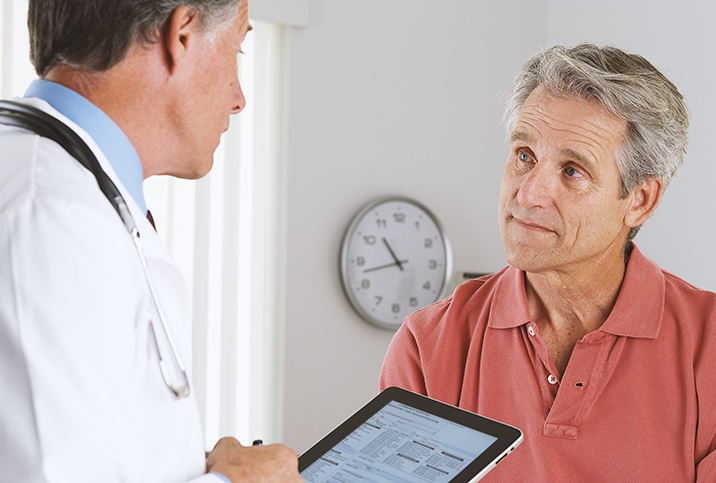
point(344, 255)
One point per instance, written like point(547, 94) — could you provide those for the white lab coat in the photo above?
point(82, 399)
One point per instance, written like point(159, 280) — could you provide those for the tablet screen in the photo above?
point(400, 443)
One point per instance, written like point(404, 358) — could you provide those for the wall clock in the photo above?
point(395, 259)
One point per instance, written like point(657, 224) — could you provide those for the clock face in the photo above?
point(394, 260)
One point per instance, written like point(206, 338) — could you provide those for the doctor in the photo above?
point(149, 85)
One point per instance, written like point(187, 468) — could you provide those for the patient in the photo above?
point(606, 362)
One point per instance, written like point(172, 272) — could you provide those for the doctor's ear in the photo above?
point(182, 31)
point(643, 200)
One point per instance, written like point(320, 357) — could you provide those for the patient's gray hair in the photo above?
point(629, 88)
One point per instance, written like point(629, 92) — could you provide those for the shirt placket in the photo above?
point(567, 400)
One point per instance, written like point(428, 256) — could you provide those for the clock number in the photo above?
point(369, 240)
point(432, 264)
point(428, 243)
point(417, 225)
point(378, 299)
point(365, 283)
point(399, 217)
point(395, 308)
point(413, 301)
point(382, 223)
point(426, 285)
point(360, 261)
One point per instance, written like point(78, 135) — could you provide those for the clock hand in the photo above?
point(397, 262)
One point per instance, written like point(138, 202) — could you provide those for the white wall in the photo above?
point(386, 97)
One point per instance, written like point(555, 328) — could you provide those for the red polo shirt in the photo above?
point(638, 398)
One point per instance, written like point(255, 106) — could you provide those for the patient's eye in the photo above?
point(524, 157)
point(572, 172)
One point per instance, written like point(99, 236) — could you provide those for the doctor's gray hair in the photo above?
point(97, 34)
point(629, 88)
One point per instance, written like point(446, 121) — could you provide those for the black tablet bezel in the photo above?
point(507, 436)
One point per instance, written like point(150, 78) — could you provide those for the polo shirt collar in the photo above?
point(510, 308)
point(115, 145)
point(638, 311)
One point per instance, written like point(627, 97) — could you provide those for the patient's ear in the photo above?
point(643, 200)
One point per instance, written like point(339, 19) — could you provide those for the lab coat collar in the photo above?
point(104, 131)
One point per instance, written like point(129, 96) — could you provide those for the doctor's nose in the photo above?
point(239, 101)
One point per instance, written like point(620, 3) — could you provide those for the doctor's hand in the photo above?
point(274, 463)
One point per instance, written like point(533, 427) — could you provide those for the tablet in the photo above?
point(403, 437)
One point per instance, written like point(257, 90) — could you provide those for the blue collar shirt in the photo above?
point(104, 131)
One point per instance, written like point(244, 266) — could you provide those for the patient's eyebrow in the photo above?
point(520, 135)
point(580, 158)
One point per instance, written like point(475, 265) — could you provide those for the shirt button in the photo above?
point(531, 330)
point(551, 379)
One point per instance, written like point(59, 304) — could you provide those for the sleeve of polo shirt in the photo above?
point(402, 366)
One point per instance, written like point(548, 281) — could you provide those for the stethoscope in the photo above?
point(39, 122)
